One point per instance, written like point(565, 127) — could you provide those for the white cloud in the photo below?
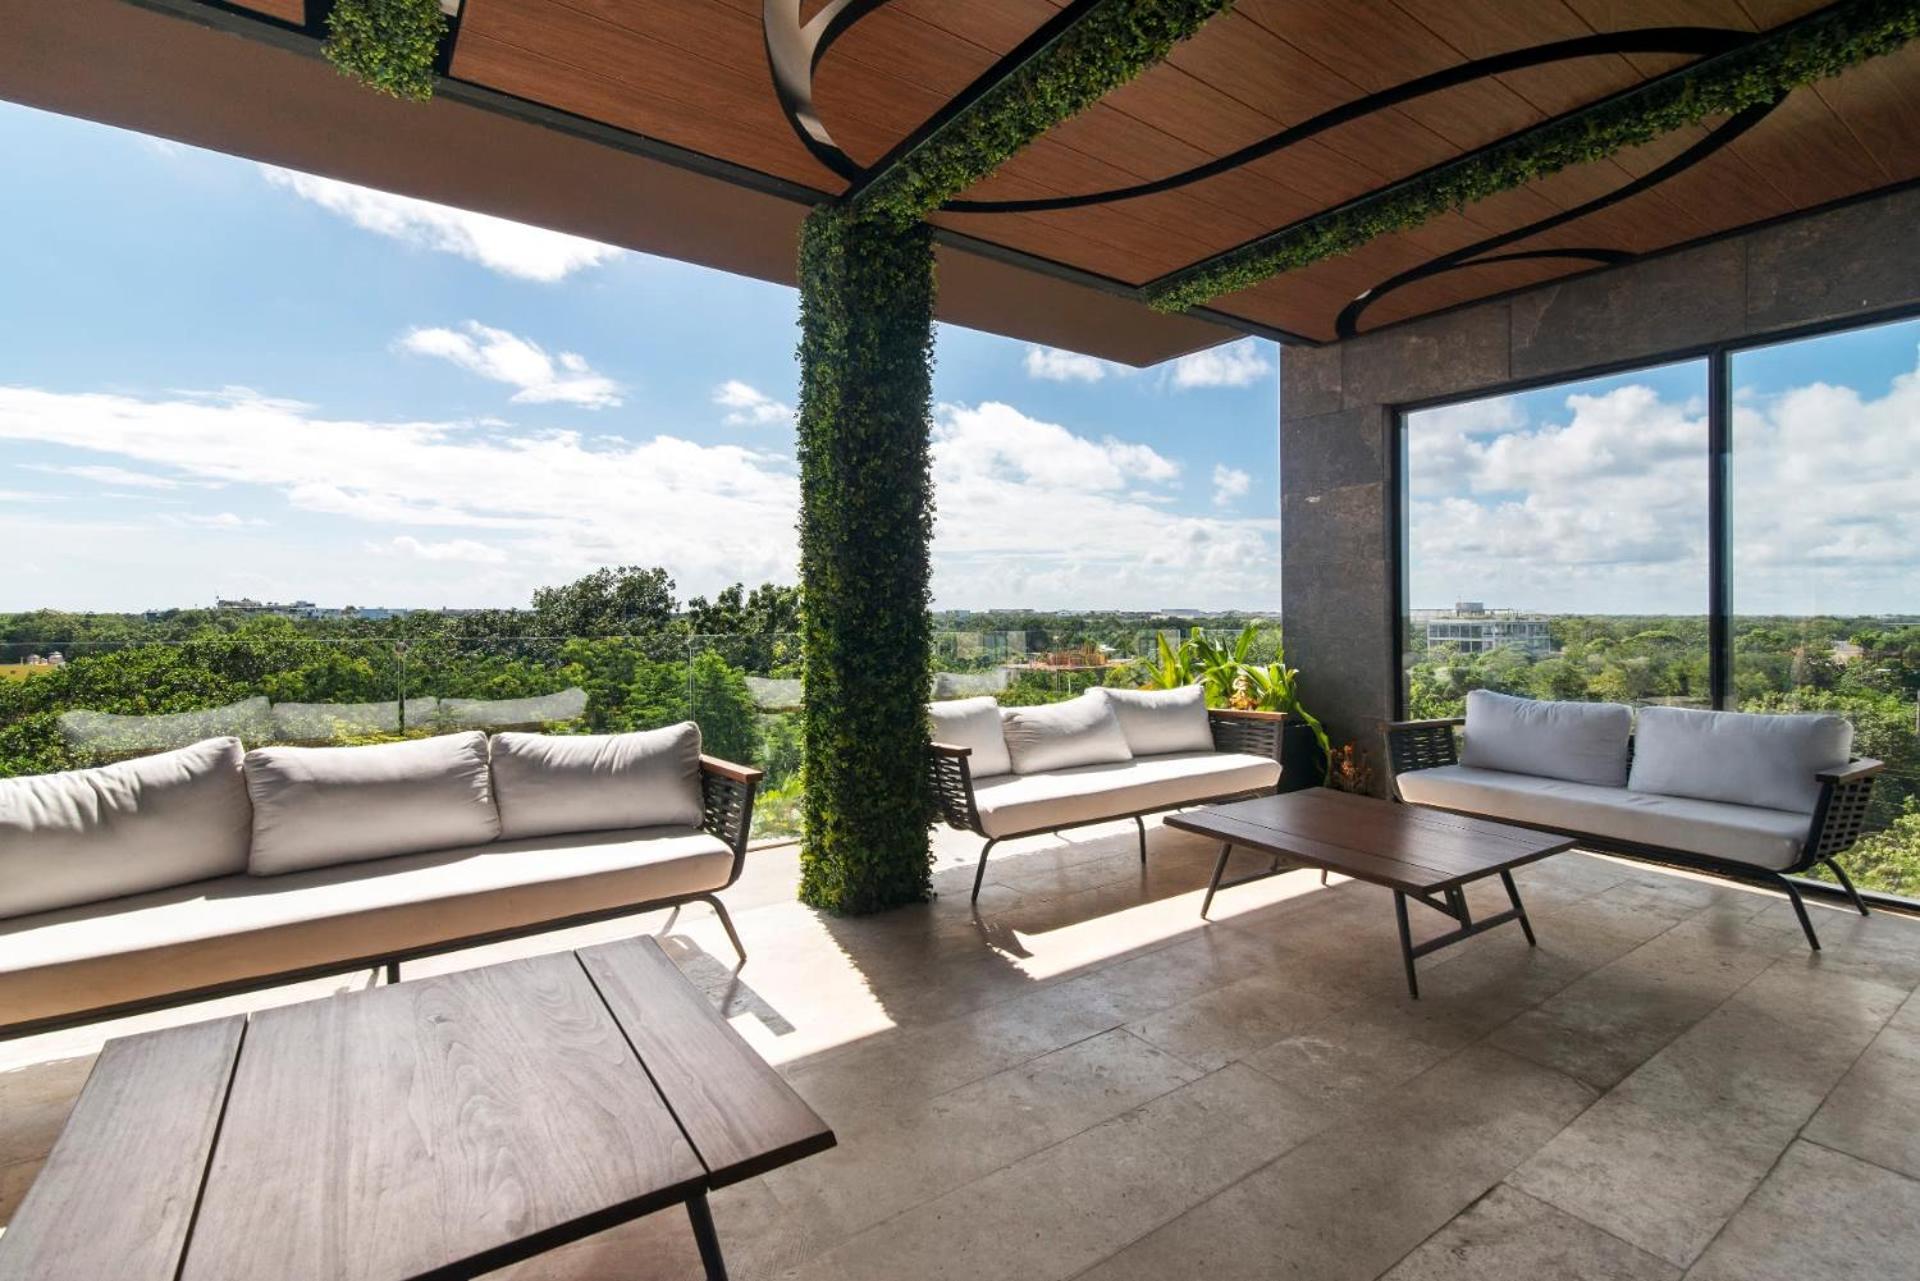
point(1055, 365)
point(1031, 514)
point(466, 550)
point(995, 439)
point(1237, 364)
point(748, 406)
point(465, 513)
point(120, 476)
point(518, 362)
point(510, 248)
point(209, 520)
point(1230, 484)
point(1604, 508)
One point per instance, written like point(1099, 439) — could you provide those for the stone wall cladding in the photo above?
point(1337, 404)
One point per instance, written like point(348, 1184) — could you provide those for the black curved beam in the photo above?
point(794, 51)
point(1700, 41)
point(1348, 323)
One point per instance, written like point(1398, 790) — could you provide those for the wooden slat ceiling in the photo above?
point(694, 73)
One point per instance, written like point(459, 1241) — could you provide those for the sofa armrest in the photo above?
point(726, 801)
point(951, 779)
point(1251, 733)
point(1854, 771)
point(1841, 814)
point(1418, 745)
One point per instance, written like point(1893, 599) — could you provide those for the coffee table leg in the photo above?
point(1513, 896)
point(707, 1239)
point(1406, 942)
point(1213, 886)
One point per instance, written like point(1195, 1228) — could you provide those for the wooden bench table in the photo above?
point(1417, 853)
point(437, 1128)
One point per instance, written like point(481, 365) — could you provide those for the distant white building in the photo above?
point(1471, 628)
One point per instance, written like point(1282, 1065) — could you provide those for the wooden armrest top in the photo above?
point(1864, 767)
point(1435, 723)
point(1239, 714)
point(727, 769)
point(951, 749)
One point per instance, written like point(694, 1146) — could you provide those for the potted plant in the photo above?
point(1233, 681)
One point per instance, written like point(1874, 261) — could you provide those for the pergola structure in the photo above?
point(708, 130)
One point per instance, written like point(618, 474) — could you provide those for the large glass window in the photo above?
point(1556, 543)
point(1826, 556)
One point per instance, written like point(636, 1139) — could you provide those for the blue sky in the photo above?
point(1591, 497)
point(217, 378)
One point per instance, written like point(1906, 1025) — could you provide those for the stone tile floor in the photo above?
point(1084, 1080)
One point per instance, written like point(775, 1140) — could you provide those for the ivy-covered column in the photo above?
point(866, 522)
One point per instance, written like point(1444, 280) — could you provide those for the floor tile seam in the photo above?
point(1525, 1195)
point(1048, 1147)
point(1758, 1183)
point(1837, 1150)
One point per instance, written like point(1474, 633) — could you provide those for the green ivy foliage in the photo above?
point(866, 522)
point(1770, 67)
point(1112, 44)
point(389, 44)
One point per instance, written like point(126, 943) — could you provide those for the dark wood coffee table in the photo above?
point(1417, 853)
point(442, 1127)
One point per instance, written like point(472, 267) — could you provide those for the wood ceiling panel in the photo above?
point(683, 71)
point(294, 11)
point(1879, 104)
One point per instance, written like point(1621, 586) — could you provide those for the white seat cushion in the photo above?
point(1080, 731)
point(1739, 757)
point(1022, 803)
point(243, 927)
point(973, 723)
point(313, 806)
point(1159, 721)
point(1580, 742)
point(547, 783)
point(84, 835)
point(1768, 838)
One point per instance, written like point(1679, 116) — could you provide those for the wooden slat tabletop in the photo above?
point(1403, 847)
point(431, 1129)
point(393, 1132)
point(743, 1118)
point(116, 1196)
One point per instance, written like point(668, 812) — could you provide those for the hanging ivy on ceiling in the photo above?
point(391, 45)
point(1114, 42)
point(1813, 49)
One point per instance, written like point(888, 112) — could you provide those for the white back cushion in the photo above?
point(975, 723)
point(1739, 757)
point(92, 834)
point(1158, 721)
point(550, 783)
point(1580, 742)
point(317, 806)
point(1081, 731)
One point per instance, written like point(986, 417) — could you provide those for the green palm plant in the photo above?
point(1233, 681)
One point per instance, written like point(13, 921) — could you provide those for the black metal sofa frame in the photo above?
point(1248, 732)
point(1837, 822)
point(727, 794)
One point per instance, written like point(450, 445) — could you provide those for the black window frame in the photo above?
point(1718, 358)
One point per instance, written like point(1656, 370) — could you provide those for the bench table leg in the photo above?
point(706, 1238)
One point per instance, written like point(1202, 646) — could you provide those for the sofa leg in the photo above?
point(980, 873)
point(1846, 883)
point(393, 972)
point(1800, 910)
point(1141, 823)
point(726, 923)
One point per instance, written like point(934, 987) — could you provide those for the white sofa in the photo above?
point(1756, 797)
point(209, 869)
point(1003, 773)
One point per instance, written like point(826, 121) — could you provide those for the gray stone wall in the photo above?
point(1337, 403)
